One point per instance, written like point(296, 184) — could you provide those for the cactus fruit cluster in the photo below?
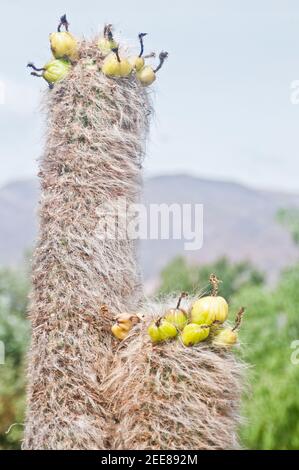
point(86, 388)
point(65, 50)
point(203, 320)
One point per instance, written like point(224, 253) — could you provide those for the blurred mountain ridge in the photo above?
point(239, 222)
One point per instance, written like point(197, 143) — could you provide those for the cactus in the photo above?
point(96, 128)
point(87, 390)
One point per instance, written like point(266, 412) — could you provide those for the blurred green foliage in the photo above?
point(270, 328)
point(271, 324)
point(14, 332)
point(180, 276)
point(289, 218)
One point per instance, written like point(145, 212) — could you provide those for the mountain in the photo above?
point(239, 222)
point(18, 204)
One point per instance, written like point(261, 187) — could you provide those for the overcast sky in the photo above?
point(223, 108)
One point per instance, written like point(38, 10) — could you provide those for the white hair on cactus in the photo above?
point(96, 130)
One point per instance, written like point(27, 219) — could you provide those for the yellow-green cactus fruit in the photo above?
point(119, 332)
point(147, 75)
point(193, 334)
point(53, 71)
point(177, 316)
point(63, 44)
point(56, 70)
point(161, 330)
point(227, 337)
point(124, 324)
point(125, 68)
point(210, 309)
point(111, 66)
point(114, 66)
point(107, 43)
point(138, 62)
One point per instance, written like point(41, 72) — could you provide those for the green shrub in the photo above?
point(14, 336)
point(181, 276)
